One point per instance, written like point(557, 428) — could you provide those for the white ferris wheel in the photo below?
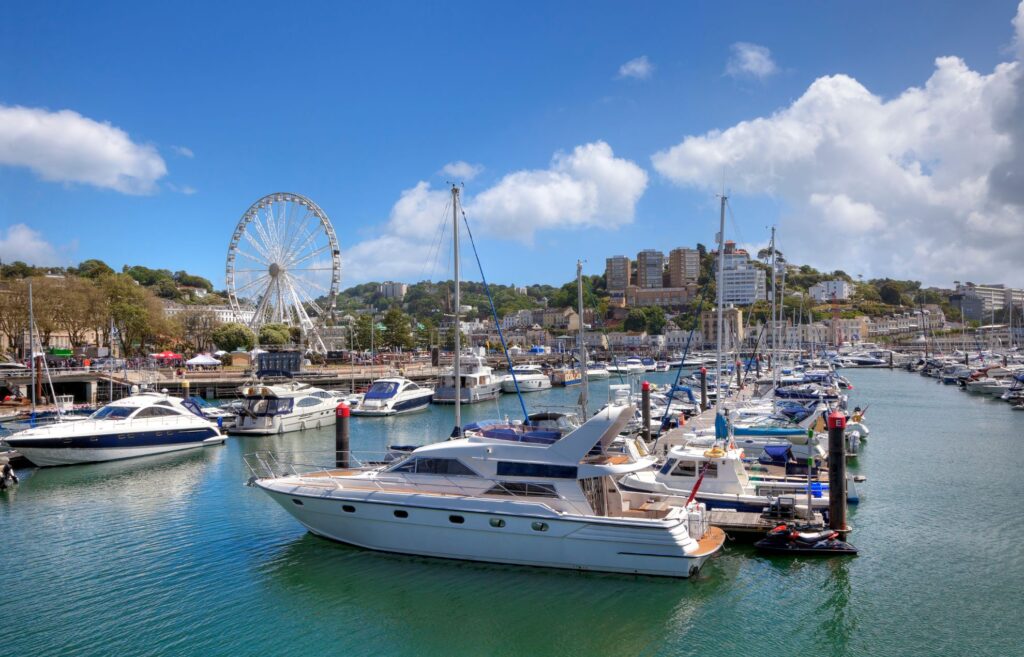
point(282, 258)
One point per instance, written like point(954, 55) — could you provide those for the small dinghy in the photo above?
point(786, 539)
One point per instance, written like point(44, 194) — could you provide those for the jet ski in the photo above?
point(787, 539)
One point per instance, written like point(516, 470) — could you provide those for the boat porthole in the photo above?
point(497, 522)
point(401, 514)
point(458, 520)
point(540, 526)
point(348, 508)
point(296, 502)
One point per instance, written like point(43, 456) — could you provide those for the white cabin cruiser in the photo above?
point(725, 483)
point(393, 396)
point(280, 408)
point(597, 371)
point(477, 384)
point(529, 377)
point(505, 501)
point(139, 425)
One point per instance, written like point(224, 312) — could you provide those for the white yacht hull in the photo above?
point(46, 457)
point(529, 385)
point(428, 530)
point(473, 395)
point(268, 425)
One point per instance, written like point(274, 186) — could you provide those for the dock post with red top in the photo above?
point(341, 435)
point(836, 471)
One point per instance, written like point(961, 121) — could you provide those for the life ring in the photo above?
point(714, 453)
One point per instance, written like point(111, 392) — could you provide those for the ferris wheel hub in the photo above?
point(275, 269)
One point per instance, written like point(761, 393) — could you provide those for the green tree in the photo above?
point(891, 293)
point(93, 268)
point(396, 333)
point(275, 334)
point(654, 319)
point(636, 320)
point(362, 334)
point(233, 336)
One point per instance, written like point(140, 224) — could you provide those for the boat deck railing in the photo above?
point(271, 465)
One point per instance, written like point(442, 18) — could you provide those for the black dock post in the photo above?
point(645, 402)
point(704, 389)
point(341, 435)
point(836, 471)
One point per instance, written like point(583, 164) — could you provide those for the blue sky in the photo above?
point(354, 105)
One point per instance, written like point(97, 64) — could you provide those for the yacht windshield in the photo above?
point(382, 390)
point(112, 413)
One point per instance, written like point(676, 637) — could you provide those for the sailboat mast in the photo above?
point(456, 363)
point(721, 299)
point(774, 327)
point(32, 346)
point(582, 347)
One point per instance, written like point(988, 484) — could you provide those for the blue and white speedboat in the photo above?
point(393, 396)
point(140, 425)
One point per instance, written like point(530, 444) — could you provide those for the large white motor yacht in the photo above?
point(393, 396)
point(529, 377)
point(139, 425)
point(505, 501)
point(478, 383)
point(292, 406)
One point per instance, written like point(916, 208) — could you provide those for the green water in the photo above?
point(172, 555)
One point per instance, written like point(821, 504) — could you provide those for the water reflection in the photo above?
point(475, 608)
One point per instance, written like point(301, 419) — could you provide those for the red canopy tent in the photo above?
point(167, 355)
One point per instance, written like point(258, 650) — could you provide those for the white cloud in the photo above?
point(183, 151)
point(1018, 30)
point(65, 146)
point(926, 185)
point(750, 60)
point(461, 171)
point(24, 244)
point(588, 187)
point(639, 68)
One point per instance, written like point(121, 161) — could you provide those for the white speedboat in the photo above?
point(393, 396)
point(530, 378)
point(139, 425)
point(505, 501)
point(636, 366)
point(477, 384)
point(280, 408)
point(597, 371)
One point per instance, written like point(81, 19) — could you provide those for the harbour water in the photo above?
point(173, 555)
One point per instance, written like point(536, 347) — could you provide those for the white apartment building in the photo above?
point(224, 314)
point(393, 290)
point(825, 290)
point(743, 286)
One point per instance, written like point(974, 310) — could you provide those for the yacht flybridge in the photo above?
point(504, 501)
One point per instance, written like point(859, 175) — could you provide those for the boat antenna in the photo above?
point(456, 362)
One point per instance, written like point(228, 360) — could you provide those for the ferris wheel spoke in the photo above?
point(253, 283)
point(309, 256)
point(310, 269)
point(259, 248)
point(263, 232)
point(278, 219)
point(306, 281)
point(296, 253)
point(246, 254)
point(299, 233)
